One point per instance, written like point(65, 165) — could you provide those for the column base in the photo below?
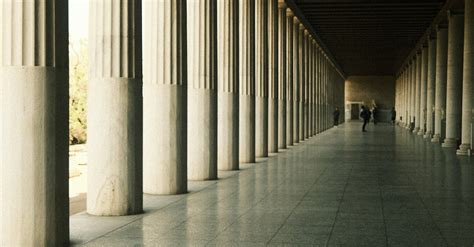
point(428, 135)
point(436, 138)
point(416, 130)
point(449, 143)
point(421, 133)
point(464, 149)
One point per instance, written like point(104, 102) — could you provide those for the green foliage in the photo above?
point(78, 69)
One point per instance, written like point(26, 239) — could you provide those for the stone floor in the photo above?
point(385, 187)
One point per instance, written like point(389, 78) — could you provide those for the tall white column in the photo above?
point(423, 89)
point(302, 82)
point(34, 96)
point(413, 92)
point(297, 79)
point(454, 82)
point(282, 74)
point(274, 109)
point(441, 80)
point(228, 85)
point(202, 89)
point(319, 91)
point(247, 81)
point(164, 98)
point(261, 78)
point(307, 72)
point(468, 79)
point(431, 94)
point(417, 92)
point(115, 154)
point(290, 77)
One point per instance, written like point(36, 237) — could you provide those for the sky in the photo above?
point(78, 18)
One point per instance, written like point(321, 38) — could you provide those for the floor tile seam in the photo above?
point(430, 214)
point(293, 210)
point(339, 207)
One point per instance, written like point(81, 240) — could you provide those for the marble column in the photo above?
point(297, 80)
point(302, 82)
point(34, 96)
point(115, 109)
point(282, 75)
point(228, 85)
point(261, 78)
point(247, 81)
point(164, 98)
point(430, 101)
point(413, 92)
point(319, 91)
point(468, 79)
point(290, 77)
point(454, 82)
point(307, 82)
point(417, 92)
point(423, 89)
point(313, 87)
point(202, 89)
point(274, 109)
point(441, 80)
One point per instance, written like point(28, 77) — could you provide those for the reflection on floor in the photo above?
point(386, 187)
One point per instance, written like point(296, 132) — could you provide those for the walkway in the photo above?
point(343, 187)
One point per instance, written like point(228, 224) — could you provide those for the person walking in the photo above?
point(365, 115)
point(336, 114)
point(394, 115)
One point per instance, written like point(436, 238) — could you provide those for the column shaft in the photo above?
point(454, 82)
point(247, 81)
point(115, 115)
point(441, 80)
point(202, 89)
point(261, 78)
point(34, 95)
point(297, 79)
point(282, 86)
point(307, 82)
point(431, 88)
point(423, 90)
point(228, 85)
point(302, 82)
point(290, 78)
point(417, 92)
point(274, 109)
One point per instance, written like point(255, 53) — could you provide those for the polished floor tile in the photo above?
point(386, 187)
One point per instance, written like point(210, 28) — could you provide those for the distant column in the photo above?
point(441, 80)
point(115, 109)
point(202, 89)
point(454, 84)
point(307, 82)
point(164, 98)
point(247, 81)
point(302, 80)
point(261, 78)
point(431, 94)
point(423, 89)
point(282, 86)
point(468, 79)
point(413, 92)
point(228, 85)
point(297, 80)
point(274, 109)
point(290, 77)
point(34, 100)
point(417, 92)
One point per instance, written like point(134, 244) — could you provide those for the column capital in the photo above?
point(306, 32)
point(282, 4)
point(289, 12)
point(302, 28)
point(453, 12)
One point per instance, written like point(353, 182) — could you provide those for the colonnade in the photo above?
point(434, 90)
point(205, 86)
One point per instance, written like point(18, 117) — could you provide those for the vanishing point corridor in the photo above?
point(343, 187)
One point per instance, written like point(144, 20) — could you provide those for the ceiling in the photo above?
point(370, 37)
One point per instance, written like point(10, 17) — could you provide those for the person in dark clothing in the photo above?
point(394, 115)
point(375, 114)
point(336, 114)
point(365, 115)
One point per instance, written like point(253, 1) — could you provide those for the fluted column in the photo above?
point(274, 109)
point(413, 92)
point(34, 203)
point(164, 98)
point(115, 155)
point(290, 77)
point(441, 80)
point(319, 91)
point(247, 81)
point(261, 78)
point(302, 82)
point(313, 87)
point(202, 89)
point(228, 85)
point(307, 76)
point(282, 74)
point(417, 92)
point(468, 79)
point(454, 82)
point(423, 89)
point(297, 79)
point(431, 88)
